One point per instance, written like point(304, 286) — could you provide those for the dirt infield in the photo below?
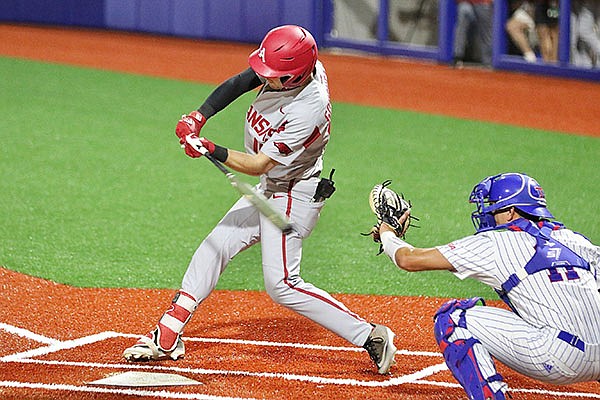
point(55, 340)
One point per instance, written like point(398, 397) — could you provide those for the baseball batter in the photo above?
point(547, 274)
point(286, 132)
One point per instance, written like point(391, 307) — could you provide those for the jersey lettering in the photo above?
point(263, 128)
point(259, 123)
point(328, 117)
point(571, 273)
point(554, 275)
point(553, 253)
point(256, 146)
point(557, 276)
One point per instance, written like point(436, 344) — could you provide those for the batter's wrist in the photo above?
point(221, 153)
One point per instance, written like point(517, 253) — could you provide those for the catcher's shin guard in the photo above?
point(460, 354)
point(170, 327)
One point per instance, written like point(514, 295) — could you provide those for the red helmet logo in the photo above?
point(261, 54)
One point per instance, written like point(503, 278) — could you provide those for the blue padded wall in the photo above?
point(301, 12)
point(263, 15)
point(225, 19)
point(11, 10)
point(248, 21)
point(189, 18)
point(155, 16)
point(88, 13)
point(234, 20)
point(121, 14)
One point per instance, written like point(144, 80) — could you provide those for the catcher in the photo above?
point(546, 274)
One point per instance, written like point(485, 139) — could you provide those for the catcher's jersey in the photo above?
point(292, 128)
point(571, 304)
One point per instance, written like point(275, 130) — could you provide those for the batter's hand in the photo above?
point(192, 145)
point(190, 124)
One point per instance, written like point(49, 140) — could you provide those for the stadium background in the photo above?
point(98, 202)
point(421, 29)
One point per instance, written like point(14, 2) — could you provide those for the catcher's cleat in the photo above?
point(381, 349)
point(146, 350)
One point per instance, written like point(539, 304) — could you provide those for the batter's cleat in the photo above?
point(381, 349)
point(146, 350)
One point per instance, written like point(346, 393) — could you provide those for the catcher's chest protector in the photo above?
point(549, 255)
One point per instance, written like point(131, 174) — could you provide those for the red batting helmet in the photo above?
point(288, 52)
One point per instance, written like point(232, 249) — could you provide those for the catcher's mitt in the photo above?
point(388, 206)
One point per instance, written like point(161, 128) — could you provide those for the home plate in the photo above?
point(136, 379)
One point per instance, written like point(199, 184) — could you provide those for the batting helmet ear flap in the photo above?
point(286, 51)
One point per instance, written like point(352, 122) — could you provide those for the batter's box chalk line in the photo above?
point(161, 394)
point(418, 377)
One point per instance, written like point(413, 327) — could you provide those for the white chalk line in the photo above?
point(285, 376)
point(163, 394)
point(53, 348)
point(516, 390)
point(24, 333)
point(416, 378)
point(56, 345)
point(303, 346)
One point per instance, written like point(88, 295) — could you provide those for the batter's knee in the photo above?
point(282, 291)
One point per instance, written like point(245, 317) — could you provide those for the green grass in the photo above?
point(96, 191)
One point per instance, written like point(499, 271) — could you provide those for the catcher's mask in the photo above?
point(499, 192)
point(288, 52)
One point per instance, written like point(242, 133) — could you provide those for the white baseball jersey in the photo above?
point(556, 335)
point(292, 128)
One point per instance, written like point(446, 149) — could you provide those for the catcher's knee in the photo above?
point(459, 354)
point(444, 324)
point(446, 320)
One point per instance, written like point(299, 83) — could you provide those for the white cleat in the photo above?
point(146, 350)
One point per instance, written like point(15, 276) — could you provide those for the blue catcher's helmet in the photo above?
point(501, 191)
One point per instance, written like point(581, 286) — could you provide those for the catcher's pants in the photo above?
point(535, 352)
point(242, 227)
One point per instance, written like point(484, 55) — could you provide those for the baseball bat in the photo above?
point(257, 199)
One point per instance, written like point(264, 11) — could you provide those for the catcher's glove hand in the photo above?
point(388, 206)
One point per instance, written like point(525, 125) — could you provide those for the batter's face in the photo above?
point(274, 83)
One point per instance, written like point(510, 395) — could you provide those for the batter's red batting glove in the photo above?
point(190, 123)
point(192, 142)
